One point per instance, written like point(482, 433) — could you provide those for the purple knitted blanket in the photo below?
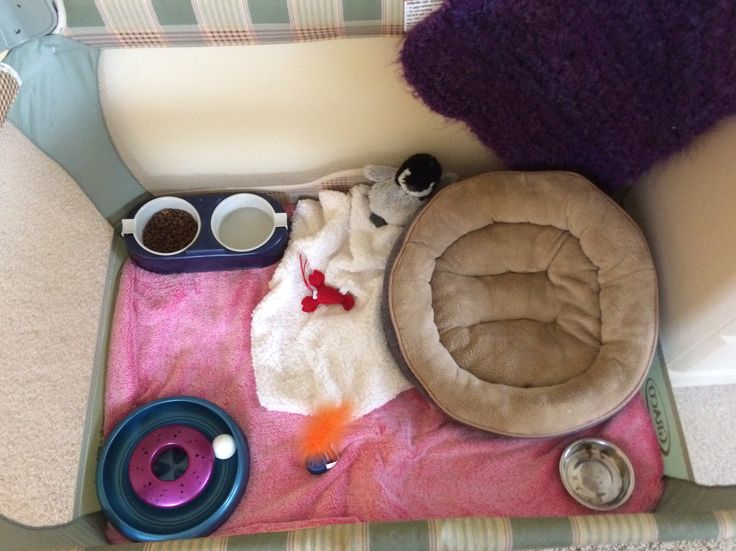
point(601, 88)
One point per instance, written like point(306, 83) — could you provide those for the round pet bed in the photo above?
point(523, 303)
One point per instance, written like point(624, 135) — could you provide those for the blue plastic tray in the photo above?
point(206, 254)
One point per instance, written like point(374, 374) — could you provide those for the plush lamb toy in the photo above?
point(398, 193)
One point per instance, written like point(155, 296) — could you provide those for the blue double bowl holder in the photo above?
point(205, 253)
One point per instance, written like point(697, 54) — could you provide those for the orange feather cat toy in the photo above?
point(322, 436)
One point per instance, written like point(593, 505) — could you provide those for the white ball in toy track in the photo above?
point(224, 446)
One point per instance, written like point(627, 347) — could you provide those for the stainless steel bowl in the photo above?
point(597, 474)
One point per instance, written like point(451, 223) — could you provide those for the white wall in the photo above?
point(687, 209)
point(213, 117)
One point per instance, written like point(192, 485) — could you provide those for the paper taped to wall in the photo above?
point(416, 10)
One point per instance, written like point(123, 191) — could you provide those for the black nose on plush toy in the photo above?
point(419, 174)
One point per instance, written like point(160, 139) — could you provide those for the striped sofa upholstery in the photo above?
point(466, 534)
point(146, 23)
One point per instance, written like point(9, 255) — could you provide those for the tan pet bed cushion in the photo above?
point(523, 303)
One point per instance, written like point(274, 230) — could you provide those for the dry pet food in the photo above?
point(169, 230)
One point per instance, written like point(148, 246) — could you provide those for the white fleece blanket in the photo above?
point(306, 360)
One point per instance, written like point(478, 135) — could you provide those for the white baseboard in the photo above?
point(702, 377)
point(718, 367)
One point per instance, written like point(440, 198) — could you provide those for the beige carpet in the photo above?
point(708, 417)
point(54, 248)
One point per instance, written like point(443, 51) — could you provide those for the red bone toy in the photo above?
point(321, 293)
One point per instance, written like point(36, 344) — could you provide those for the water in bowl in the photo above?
point(245, 228)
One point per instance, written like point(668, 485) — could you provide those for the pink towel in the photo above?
point(190, 334)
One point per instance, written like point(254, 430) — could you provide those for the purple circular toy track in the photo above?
point(184, 452)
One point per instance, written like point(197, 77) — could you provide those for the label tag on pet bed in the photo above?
point(416, 10)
